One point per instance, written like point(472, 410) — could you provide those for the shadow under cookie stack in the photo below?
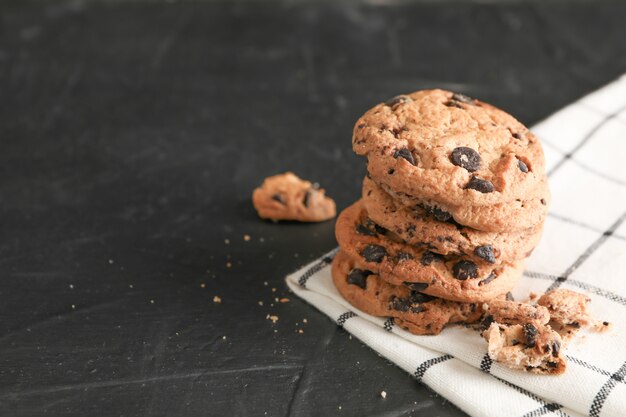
point(454, 201)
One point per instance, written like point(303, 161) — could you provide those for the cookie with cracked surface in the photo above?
point(287, 197)
point(436, 230)
point(513, 216)
point(415, 312)
point(530, 347)
point(452, 277)
point(440, 146)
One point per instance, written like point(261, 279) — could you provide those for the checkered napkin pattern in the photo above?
point(583, 249)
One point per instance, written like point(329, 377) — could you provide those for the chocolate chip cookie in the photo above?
point(452, 277)
point(435, 229)
point(445, 147)
point(416, 312)
point(287, 197)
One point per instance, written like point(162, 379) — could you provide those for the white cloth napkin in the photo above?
point(583, 248)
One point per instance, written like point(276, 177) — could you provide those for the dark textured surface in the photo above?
point(132, 135)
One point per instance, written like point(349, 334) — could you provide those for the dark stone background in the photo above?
point(131, 137)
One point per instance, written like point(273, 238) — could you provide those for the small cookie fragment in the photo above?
point(529, 347)
point(568, 311)
point(287, 197)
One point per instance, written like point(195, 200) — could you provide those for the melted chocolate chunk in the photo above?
point(416, 286)
point(438, 214)
point(522, 166)
point(465, 157)
point(530, 333)
point(486, 253)
point(380, 230)
point(556, 347)
point(429, 257)
point(486, 322)
point(575, 324)
point(403, 256)
point(278, 197)
point(489, 278)
point(418, 297)
point(481, 185)
point(305, 200)
point(406, 154)
point(374, 253)
point(552, 364)
point(363, 230)
point(465, 269)
point(358, 277)
point(391, 171)
point(394, 101)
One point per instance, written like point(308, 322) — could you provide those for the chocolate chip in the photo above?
point(486, 252)
point(401, 99)
point(489, 278)
point(438, 214)
point(478, 184)
point(358, 277)
point(403, 256)
point(552, 364)
point(465, 269)
point(305, 200)
point(543, 201)
point(278, 197)
point(516, 135)
point(362, 230)
point(374, 253)
point(391, 171)
point(429, 257)
point(530, 333)
point(416, 286)
point(486, 322)
point(605, 323)
point(361, 126)
point(406, 154)
point(399, 304)
point(522, 166)
point(379, 229)
point(418, 297)
point(509, 296)
point(575, 324)
point(463, 98)
point(556, 347)
point(465, 157)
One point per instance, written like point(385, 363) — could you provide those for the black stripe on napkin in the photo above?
point(316, 268)
point(344, 317)
point(424, 366)
point(605, 391)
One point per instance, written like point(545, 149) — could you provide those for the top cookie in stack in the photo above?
point(458, 155)
point(454, 201)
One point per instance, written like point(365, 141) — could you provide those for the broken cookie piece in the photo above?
point(568, 311)
point(530, 347)
point(287, 197)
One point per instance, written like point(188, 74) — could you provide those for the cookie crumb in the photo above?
point(265, 283)
point(223, 337)
point(202, 285)
point(383, 394)
point(305, 321)
point(284, 300)
point(602, 326)
point(151, 301)
point(73, 307)
point(532, 296)
point(246, 237)
point(227, 241)
point(274, 319)
point(217, 299)
point(300, 331)
point(71, 286)
point(110, 261)
point(261, 303)
point(273, 289)
point(229, 264)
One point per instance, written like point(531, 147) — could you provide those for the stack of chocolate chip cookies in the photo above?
point(454, 201)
